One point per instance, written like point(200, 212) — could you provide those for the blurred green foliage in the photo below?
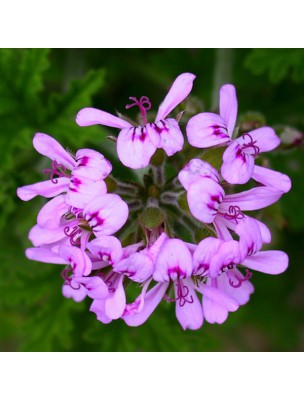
point(42, 90)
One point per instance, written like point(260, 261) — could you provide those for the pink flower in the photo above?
point(137, 144)
point(208, 129)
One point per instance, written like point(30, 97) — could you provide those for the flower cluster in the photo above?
point(182, 237)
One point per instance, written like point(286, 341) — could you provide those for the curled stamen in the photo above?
point(182, 293)
point(247, 276)
point(234, 213)
point(58, 170)
point(109, 283)
point(65, 274)
point(74, 232)
point(251, 144)
point(143, 104)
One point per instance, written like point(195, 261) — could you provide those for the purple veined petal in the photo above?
point(204, 253)
point(179, 90)
point(82, 191)
point(134, 147)
point(74, 291)
point(41, 236)
point(270, 178)
point(170, 136)
point(221, 227)
point(228, 106)
point(49, 147)
point(207, 130)
point(219, 297)
point(95, 287)
point(107, 248)
point(228, 254)
point(213, 312)
point(50, 214)
point(90, 164)
point(204, 198)
point(265, 139)
point(46, 189)
point(44, 254)
point(237, 167)
point(188, 310)
point(154, 249)
point(252, 199)
point(241, 293)
point(271, 262)
point(195, 170)
point(98, 307)
point(137, 305)
point(106, 214)
point(174, 261)
point(116, 301)
point(250, 236)
point(151, 300)
point(78, 260)
point(92, 116)
point(138, 267)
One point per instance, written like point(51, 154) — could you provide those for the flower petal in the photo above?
point(78, 260)
point(135, 147)
point(270, 178)
point(228, 106)
point(50, 214)
point(106, 214)
point(44, 254)
point(82, 191)
point(95, 286)
point(41, 236)
point(171, 138)
point(228, 254)
point(49, 147)
point(92, 116)
point(107, 248)
point(189, 312)
point(264, 138)
point(203, 254)
point(46, 189)
point(213, 312)
point(220, 297)
point(241, 293)
point(206, 130)
point(250, 236)
point(90, 164)
point(116, 301)
point(204, 198)
point(271, 262)
point(179, 90)
point(98, 307)
point(252, 199)
point(74, 291)
point(138, 267)
point(237, 165)
point(151, 301)
point(195, 170)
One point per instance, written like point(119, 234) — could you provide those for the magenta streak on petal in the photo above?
point(240, 280)
point(99, 221)
point(143, 104)
point(250, 144)
point(182, 293)
point(83, 161)
point(219, 131)
point(56, 170)
point(160, 130)
point(178, 271)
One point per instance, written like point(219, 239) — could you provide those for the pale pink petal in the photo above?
point(107, 248)
point(195, 170)
point(106, 214)
point(44, 254)
point(49, 147)
point(228, 254)
point(137, 305)
point(188, 310)
point(207, 130)
point(134, 147)
point(228, 106)
point(237, 165)
point(271, 262)
point(179, 90)
point(151, 301)
point(74, 291)
point(50, 214)
point(174, 261)
point(98, 307)
point(91, 116)
point(265, 232)
point(138, 267)
point(78, 260)
point(242, 293)
point(203, 254)
point(154, 249)
point(252, 199)
point(270, 178)
point(264, 138)
point(90, 164)
point(40, 236)
point(250, 236)
point(46, 189)
point(82, 191)
point(221, 228)
point(220, 297)
point(213, 312)
point(171, 138)
point(116, 301)
point(95, 287)
point(204, 198)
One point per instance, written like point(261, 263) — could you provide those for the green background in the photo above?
point(42, 91)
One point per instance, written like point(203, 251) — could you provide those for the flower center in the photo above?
point(251, 144)
point(143, 104)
